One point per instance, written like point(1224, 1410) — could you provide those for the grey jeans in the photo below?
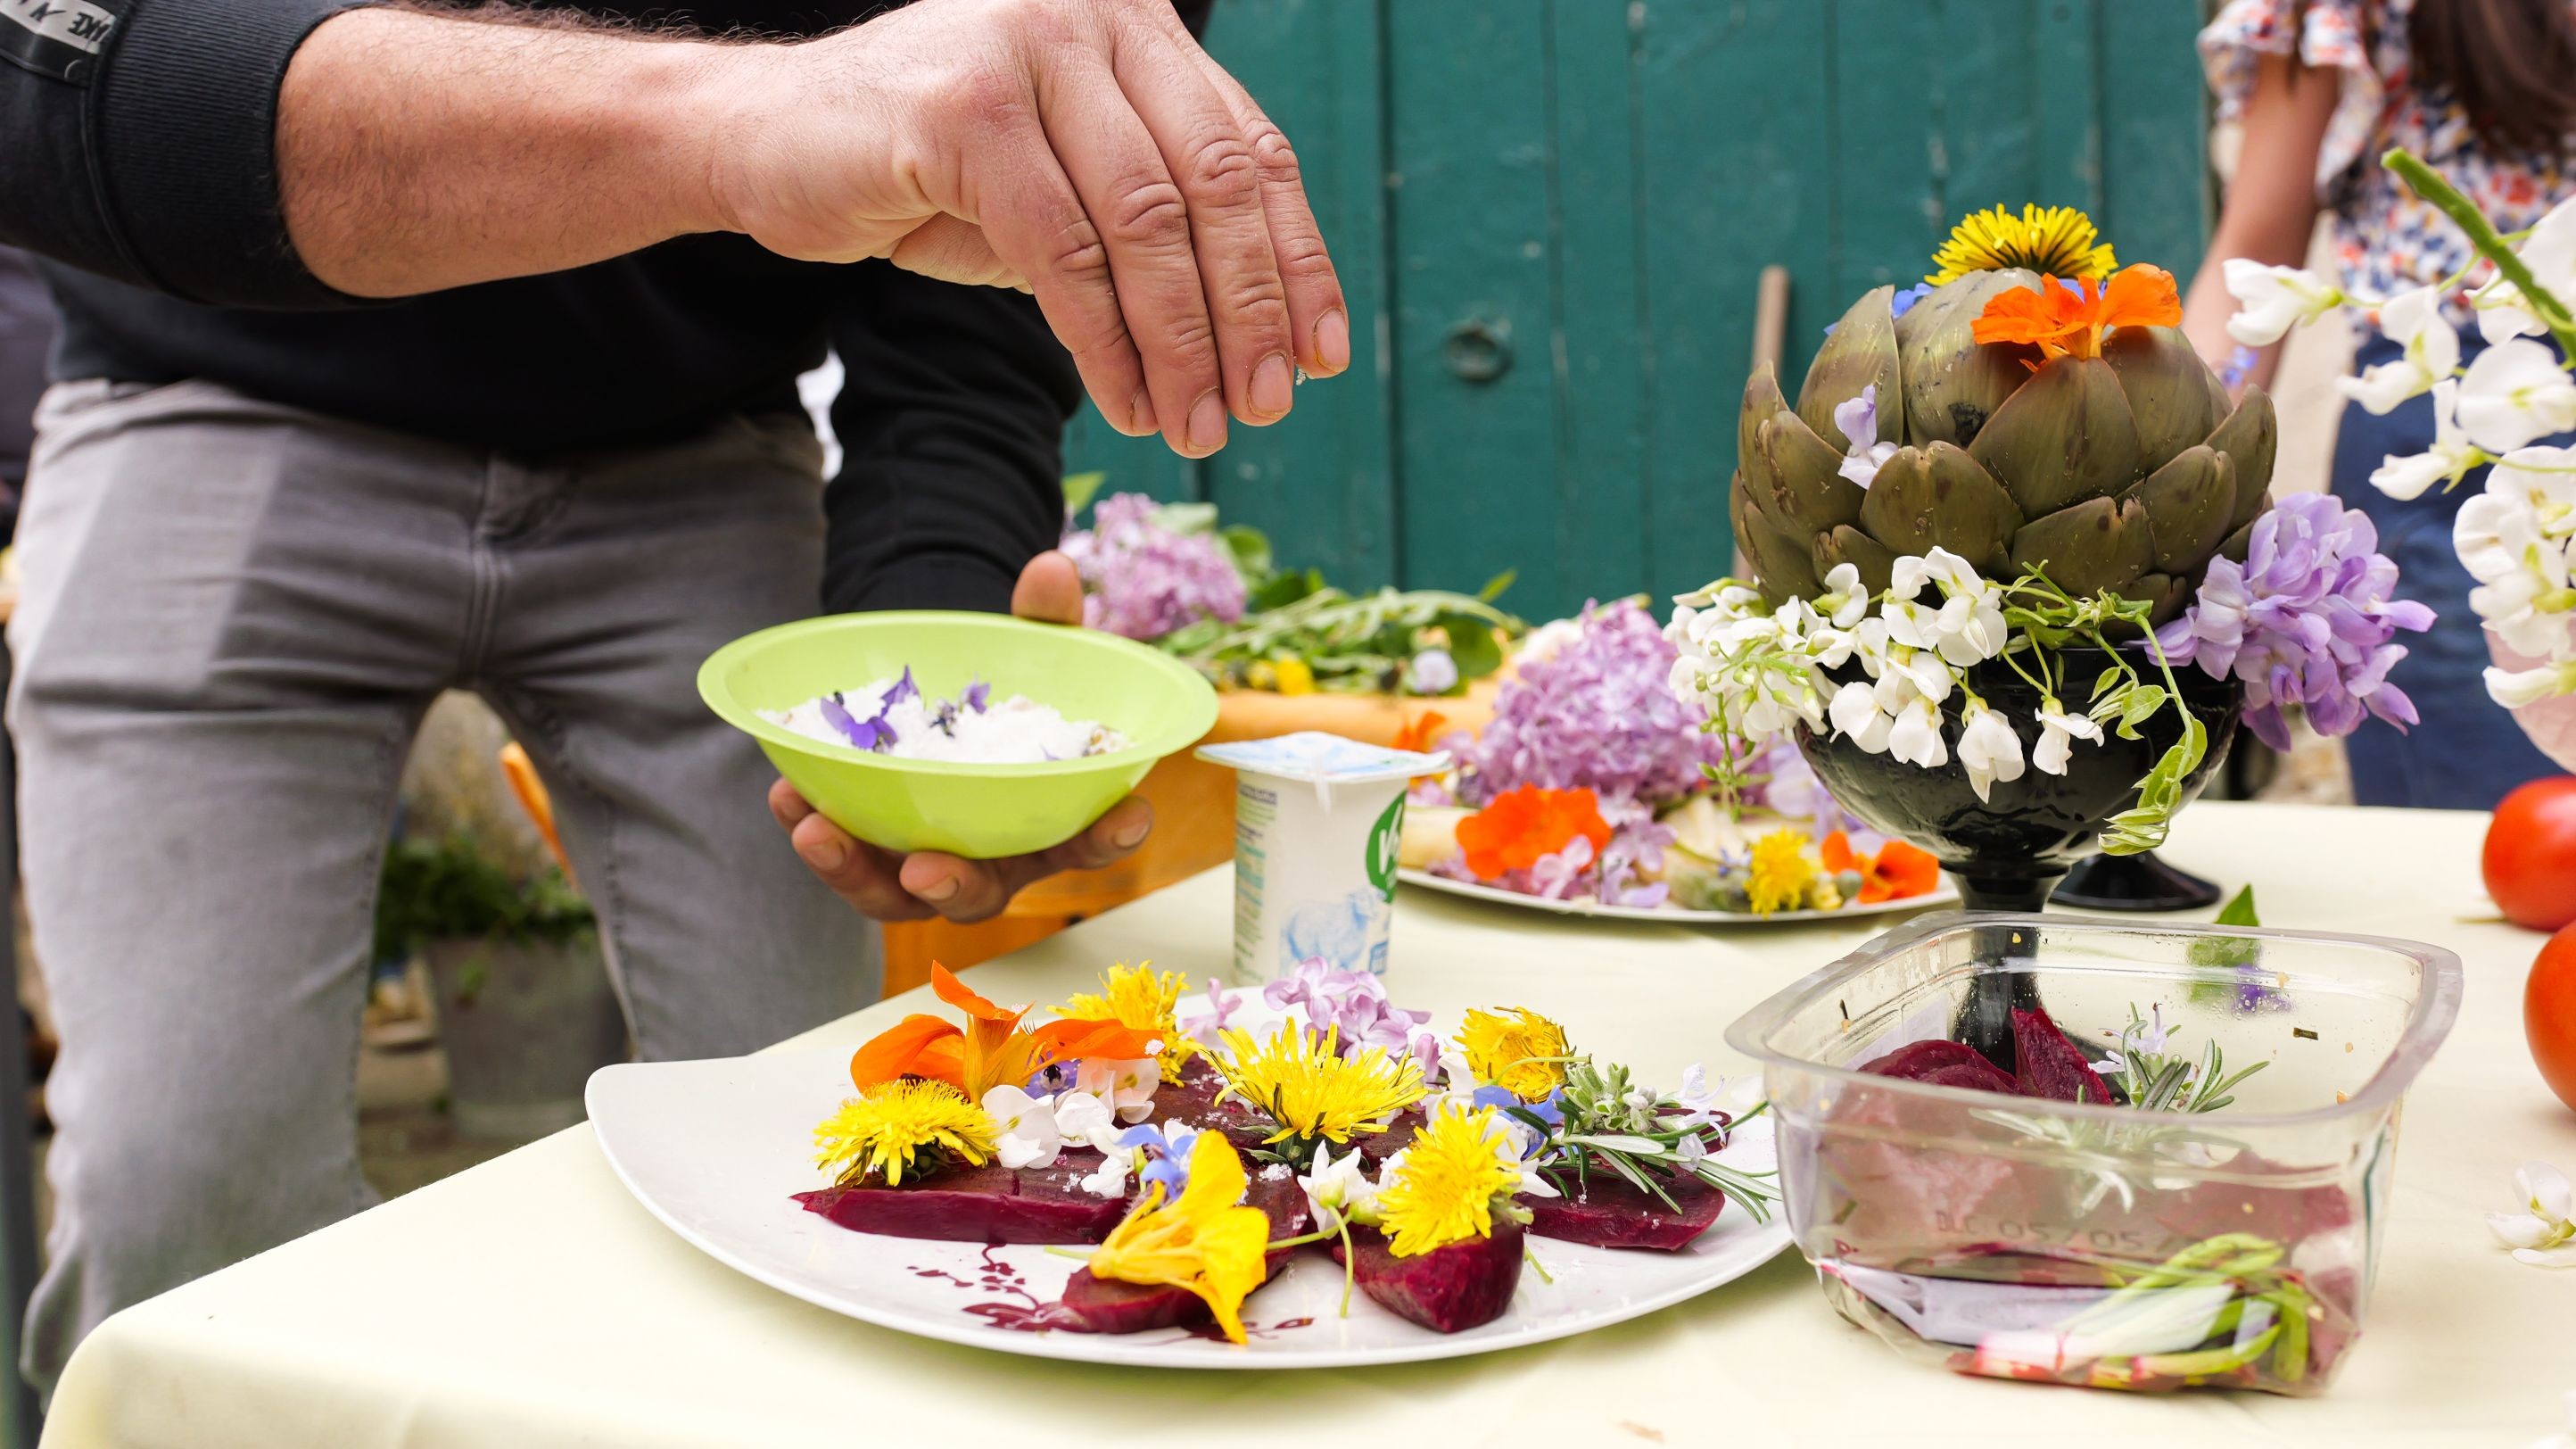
point(234, 616)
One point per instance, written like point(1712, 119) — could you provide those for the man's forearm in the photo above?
point(420, 151)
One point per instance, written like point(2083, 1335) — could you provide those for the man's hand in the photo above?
point(894, 887)
point(1086, 150)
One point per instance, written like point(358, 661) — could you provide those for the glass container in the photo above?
point(2106, 1246)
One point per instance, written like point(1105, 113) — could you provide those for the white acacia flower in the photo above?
point(1029, 1136)
point(2446, 462)
point(2057, 731)
point(2272, 300)
point(1915, 738)
point(2513, 394)
point(1988, 748)
point(1128, 1087)
point(2541, 1233)
point(2520, 689)
point(1085, 1119)
point(2522, 591)
point(1857, 717)
point(1110, 1178)
point(2544, 479)
point(1340, 1190)
point(1844, 603)
point(2550, 253)
point(2412, 319)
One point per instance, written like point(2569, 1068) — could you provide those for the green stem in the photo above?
point(2429, 185)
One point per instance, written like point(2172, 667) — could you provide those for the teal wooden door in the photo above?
point(1551, 216)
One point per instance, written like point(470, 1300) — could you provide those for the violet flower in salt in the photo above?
point(1142, 580)
point(1599, 713)
point(2305, 621)
point(868, 734)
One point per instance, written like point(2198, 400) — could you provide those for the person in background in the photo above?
point(2485, 92)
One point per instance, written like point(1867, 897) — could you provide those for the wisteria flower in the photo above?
point(2306, 621)
point(2515, 394)
point(2413, 320)
point(2058, 731)
point(2542, 1233)
point(1989, 749)
point(1858, 420)
point(2272, 300)
point(1143, 580)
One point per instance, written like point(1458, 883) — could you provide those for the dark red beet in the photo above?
point(1193, 1099)
point(1944, 1064)
point(1105, 1305)
point(988, 1204)
point(2052, 1065)
point(1377, 1147)
point(1609, 1212)
point(1446, 1290)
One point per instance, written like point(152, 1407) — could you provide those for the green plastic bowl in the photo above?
point(979, 811)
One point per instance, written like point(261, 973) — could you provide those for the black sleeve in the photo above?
point(141, 142)
point(951, 420)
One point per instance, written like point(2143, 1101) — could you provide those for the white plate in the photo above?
point(715, 1148)
point(1944, 894)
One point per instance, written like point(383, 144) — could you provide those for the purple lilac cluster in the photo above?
point(2307, 620)
point(1599, 713)
point(1142, 580)
point(1355, 1002)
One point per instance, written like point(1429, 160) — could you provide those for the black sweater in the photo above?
point(140, 159)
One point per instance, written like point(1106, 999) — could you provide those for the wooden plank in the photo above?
point(1601, 336)
point(1985, 76)
point(1322, 482)
point(2066, 104)
point(1887, 145)
point(2154, 149)
point(1134, 465)
point(1735, 101)
point(1476, 440)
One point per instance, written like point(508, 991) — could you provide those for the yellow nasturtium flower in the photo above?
point(1203, 1241)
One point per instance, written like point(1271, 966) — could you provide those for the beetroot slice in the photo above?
point(989, 1204)
point(1106, 1305)
point(1609, 1212)
point(2052, 1065)
point(1943, 1063)
point(1446, 1290)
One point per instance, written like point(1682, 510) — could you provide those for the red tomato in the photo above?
point(2530, 856)
point(2549, 1014)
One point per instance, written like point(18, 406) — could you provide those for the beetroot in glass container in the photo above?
point(2015, 1220)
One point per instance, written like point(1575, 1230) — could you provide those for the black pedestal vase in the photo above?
point(2009, 851)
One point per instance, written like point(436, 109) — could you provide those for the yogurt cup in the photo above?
point(1317, 822)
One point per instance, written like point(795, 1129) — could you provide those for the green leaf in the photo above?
point(2240, 911)
point(1282, 589)
point(2110, 678)
point(1186, 519)
point(1495, 586)
point(1471, 644)
point(1250, 549)
point(1080, 488)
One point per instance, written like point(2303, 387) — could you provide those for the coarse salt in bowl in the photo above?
point(981, 811)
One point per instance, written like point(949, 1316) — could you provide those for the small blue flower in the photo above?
point(1904, 301)
point(1167, 1155)
point(1433, 672)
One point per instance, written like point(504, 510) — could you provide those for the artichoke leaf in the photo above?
point(1780, 563)
point(1762, 403)
point(2103, 544)
point(2237, 545)
point(1848, 545)
point(2251, 438)
point(2174, 396)
point(2065, 438)
point(1860, 353)
point(1953, 383)
point(2190, 503)
point(1937, 497)
point(1806, 491)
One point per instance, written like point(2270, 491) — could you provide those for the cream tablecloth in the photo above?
point(529, 1302)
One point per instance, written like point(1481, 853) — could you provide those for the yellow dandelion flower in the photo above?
point(1444, 1188)
point(1523, 1053)
point(1312, 1091)
point(2055, 241)
point(1295, 675)
point(884, 1131)
point(1201, 1241)
point(1780, 874)
point(1143, 999)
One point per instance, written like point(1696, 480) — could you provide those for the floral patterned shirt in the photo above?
point(2386, 238)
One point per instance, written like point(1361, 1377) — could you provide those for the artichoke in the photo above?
point(2127, 472)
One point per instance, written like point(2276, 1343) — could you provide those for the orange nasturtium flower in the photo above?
point(1898, 870)
point(1519, 826)
point(991, 1051)
point(2068, 320)
point(1419, 732)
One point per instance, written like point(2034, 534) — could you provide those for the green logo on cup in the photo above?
point(1384, 837)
